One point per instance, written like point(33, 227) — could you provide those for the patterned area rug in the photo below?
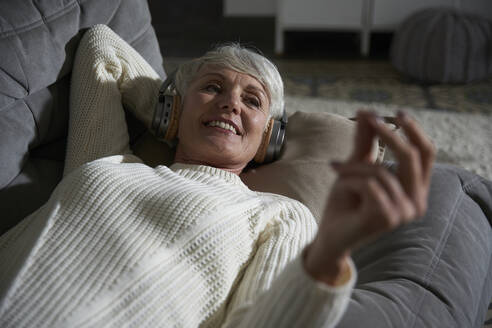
point(461, 139)
point(371, 81)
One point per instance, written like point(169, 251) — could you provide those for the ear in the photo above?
point(262, 150)
point(172, 130)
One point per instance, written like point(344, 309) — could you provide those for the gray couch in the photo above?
point(433, 273)
point(38, 40)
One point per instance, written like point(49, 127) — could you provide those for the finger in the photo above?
point(409, 170)
point(388, 217)
point(382, 215)
point(363, 139)
point(392, 187)
point(418, 138)
point(379, 215)
point(385, 178)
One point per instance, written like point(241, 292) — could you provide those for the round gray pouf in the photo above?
point(443, 45)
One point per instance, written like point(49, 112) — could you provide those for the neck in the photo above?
point(232, 169)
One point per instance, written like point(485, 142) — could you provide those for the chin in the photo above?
point(222, 147)
point(224, 156)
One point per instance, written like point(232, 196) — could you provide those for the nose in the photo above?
point(231, 101)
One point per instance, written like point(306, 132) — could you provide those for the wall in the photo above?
point(249, 7)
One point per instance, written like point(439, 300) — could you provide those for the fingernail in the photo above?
point(402, 115)
point(376, 119)
point(379, 120)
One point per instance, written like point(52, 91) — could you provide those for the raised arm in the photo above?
point(367, 199)
point(107, 74)
point(276, 291)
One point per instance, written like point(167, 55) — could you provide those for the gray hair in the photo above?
point(238, 58)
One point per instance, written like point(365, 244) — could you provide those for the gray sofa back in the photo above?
point(38, 40)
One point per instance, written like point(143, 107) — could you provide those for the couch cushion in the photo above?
point(38, 41)
point(434, 272)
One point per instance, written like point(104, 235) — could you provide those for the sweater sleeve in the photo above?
point(276, 291)
point(107, 75)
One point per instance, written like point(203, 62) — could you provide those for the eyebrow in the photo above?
point(248, 87)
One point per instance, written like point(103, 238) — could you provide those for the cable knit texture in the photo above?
point(121, 244)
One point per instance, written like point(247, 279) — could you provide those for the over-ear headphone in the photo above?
point(166, 121)
point(167, 109)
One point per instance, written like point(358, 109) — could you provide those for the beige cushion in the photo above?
point(303, 170)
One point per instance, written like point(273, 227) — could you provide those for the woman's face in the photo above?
point(222, 119)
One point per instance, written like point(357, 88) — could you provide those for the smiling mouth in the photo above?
point(222, 125)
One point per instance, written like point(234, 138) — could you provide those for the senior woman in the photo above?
point(123, 244)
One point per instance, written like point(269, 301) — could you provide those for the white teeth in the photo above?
point(222, 125)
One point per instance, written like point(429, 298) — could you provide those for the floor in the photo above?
point(315, 64)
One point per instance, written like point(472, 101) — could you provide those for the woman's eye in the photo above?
point(253, 102)
point(212, 88)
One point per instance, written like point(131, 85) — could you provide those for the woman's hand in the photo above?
point(367, 199)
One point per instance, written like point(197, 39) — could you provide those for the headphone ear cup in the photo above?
point(172, 129)
point(265, 142)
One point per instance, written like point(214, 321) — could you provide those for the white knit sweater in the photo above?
point(121, 244)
